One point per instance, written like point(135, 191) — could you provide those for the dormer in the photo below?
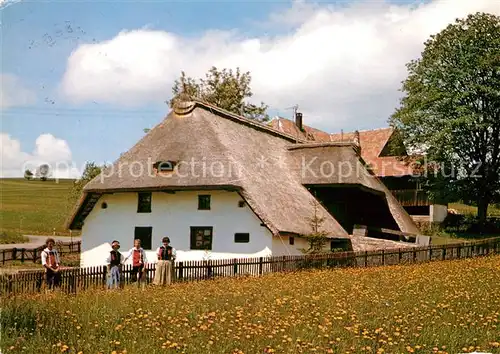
point(164, 166)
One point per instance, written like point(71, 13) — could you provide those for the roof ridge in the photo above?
point(364, 130)
point(186, 107)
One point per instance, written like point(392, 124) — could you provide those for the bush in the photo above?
point(470, 224)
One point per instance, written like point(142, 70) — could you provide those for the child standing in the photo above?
point(114, 263)
point(164, 268)
point(138, 261)
point(51, 262)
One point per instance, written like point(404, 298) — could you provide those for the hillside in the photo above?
point(34, 207)
point(439, 307)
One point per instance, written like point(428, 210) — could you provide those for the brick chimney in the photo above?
point(298, 121)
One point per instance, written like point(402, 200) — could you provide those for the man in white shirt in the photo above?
point(139, 261)
point(164, 268)
point(51, 262)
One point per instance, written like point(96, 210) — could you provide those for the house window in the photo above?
point(291, 240)
point(241, 237)
point(164, 166)
point(201, 237)
point(203, 202)
point(241, 203)
point(145, 234)
point(144, 203)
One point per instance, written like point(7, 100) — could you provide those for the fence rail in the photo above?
point(75, 280)
point(34, 254)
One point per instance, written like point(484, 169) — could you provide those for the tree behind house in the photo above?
point(452, 108)
point(91, 171)
point(226, 89)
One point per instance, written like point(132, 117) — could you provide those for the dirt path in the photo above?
point(37, 241)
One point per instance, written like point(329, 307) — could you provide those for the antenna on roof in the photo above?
point(295, 108)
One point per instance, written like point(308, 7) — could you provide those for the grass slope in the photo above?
point(439, 307)
point(34, 207)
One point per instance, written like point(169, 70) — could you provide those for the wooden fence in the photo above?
point(34, 254)
point(74, 280)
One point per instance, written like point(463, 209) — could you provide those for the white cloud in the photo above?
point(48, 150)
point(13, 92)
point(342, 65)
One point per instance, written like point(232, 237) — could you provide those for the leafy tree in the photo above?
point(224, 88)
point(451, 110)
point(28, 174)
point(91, 171)
point(43, 172)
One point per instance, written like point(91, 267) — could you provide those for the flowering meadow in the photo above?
point(439, 307)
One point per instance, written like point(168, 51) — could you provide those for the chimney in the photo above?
point(298, 120)
point(357, 142)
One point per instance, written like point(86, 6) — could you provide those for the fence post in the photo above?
point(400, 256)
point(383, 257)
point(209, 269)
point(104, 275)
point(366, 258)
point(444, 253)
point(235, 266)
point(181, 270)
point(14, 254)
point(35, 255)
point(22, 255)
point(261, 259)
point(430, 253)
point(79, 246)
point(459, 251)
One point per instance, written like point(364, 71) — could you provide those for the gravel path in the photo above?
point(37, 241)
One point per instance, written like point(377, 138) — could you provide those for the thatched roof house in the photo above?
point(275, 173)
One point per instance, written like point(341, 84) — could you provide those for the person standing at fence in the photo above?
point(114, 263)
point(51, 263)
point(138, 261)
point(165, 267)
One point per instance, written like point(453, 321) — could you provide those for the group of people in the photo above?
point(164, 268)
point(166, 254)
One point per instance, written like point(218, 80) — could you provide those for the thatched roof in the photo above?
point(215, 149)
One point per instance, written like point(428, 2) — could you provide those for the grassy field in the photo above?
point(439, 307)
point(469, 209)
point(34, 207)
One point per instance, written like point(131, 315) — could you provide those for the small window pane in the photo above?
point(241, 237)
point(204, 202)
point(144, 203)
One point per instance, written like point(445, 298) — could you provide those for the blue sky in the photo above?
point(319, 56)
point(38, 37)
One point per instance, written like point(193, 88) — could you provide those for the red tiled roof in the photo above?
point(372, 142)
point(287, 126)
